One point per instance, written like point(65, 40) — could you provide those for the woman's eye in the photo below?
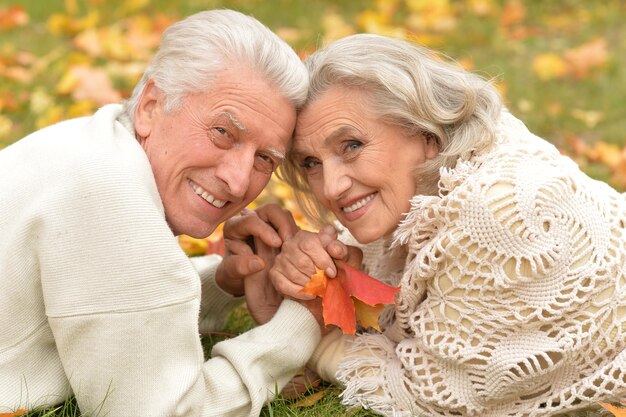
point(308, 163)
point(352, 145)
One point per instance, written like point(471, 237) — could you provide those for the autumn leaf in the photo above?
point(367, 315)
point(192, 246)
point(616, 411)
point(198, 247)
point(16, 413)
point(513, 13)
point(587, 57)
point(88, 83)
point(365, 288)
point(337, 307)
point(11, 17)
point(309, 400)
point(350, 297)
point(549, 66)
point(317, 285)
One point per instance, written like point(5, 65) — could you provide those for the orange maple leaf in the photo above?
point(16, 413)
point(350, 297)
point(616, 411)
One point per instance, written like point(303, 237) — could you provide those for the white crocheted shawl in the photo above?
point(513, 298)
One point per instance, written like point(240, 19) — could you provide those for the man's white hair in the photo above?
point(195, 49)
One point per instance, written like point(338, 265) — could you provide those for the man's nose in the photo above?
point(235, 170)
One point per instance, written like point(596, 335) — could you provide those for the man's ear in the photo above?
point(146, 111)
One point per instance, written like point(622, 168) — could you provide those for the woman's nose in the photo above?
point(336, 180)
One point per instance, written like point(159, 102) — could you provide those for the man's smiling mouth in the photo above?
point(208, 197)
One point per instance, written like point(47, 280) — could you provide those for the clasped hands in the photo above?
point(268, 257)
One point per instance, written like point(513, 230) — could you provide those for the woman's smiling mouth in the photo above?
point(358, 204)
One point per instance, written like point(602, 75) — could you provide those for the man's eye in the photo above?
point(265, 163)
point(220, 137)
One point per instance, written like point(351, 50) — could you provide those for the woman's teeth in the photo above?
point(358, 204)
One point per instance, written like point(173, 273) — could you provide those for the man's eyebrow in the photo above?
point(233, 119)
point(276, 153)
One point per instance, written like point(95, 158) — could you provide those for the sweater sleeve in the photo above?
point(149, 363)
point(215, 302)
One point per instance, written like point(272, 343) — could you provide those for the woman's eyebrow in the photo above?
point(342, 131)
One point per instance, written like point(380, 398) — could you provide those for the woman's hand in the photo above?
point(269, 225)
point(303, 254)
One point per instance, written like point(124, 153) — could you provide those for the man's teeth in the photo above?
point(208, 197)
point(358, 204)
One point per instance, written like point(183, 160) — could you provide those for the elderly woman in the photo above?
point(511, 261)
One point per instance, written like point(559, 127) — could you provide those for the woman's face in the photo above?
point(359, 167)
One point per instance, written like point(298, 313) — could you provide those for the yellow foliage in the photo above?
point(53, 114)
point(589, 117)
point(81, 108)
point(549, 66)
point(61, 24)
point(132, 6)
point(5, 126)
point(335, 27)
point(481, 7)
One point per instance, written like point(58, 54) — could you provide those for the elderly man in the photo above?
point(97, 299)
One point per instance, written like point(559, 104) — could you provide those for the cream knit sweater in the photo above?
point(97, 299)
point(513, 299)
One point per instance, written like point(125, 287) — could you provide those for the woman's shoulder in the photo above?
point(520, 173)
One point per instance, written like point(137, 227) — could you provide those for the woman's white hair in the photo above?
point(195, 49)
point(408, 86)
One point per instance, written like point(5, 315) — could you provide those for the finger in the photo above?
point(327, 234)
point(241, 266)
point(286, 287)
point(281, 220)
point(283, 268)
point(314, 250)
point(238, 247)
point(242, 227)
point(355, 256)
point(337, 249)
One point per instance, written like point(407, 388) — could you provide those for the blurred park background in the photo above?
point(560, 64)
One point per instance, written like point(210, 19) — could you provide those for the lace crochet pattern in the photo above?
point(513, 299)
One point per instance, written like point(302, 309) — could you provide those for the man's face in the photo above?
point(215, 153)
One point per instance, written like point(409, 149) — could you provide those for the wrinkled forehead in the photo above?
point(337, 111)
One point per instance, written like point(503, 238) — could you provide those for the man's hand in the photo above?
point(269, 224)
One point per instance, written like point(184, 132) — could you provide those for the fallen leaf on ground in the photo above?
point(16, 413)
point(616, 411)
point(310, 400)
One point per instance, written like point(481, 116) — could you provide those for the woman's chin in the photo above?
point(365, 236)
